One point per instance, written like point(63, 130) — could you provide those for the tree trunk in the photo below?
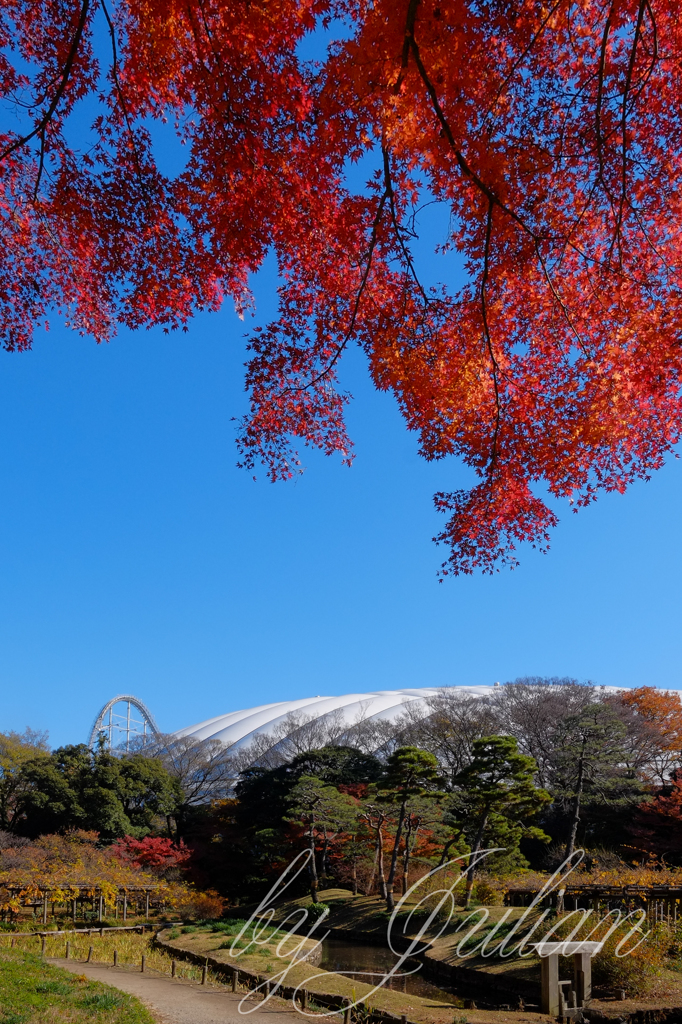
point(312, 866)
point(446, 851)
point(380, 862)
point(471, 870)
point(390, 881)
point(575, 820)
point(406, 854)
point(354, 876)
point(370, 886)
point(325, 848)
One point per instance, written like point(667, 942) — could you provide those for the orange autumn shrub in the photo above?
point(202, 906)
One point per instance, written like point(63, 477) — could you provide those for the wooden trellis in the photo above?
point(83, 897)
point(661, 902)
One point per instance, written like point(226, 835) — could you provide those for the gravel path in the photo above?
point(182, 1002)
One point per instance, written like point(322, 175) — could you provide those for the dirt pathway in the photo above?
point(182, 1002)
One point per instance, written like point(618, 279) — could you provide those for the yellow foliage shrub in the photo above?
point(488, 894)
point(635, 972)
point(204, 906)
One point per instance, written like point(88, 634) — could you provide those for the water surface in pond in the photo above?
point(370, 963)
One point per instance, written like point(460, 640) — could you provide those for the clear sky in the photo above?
point(136, 557)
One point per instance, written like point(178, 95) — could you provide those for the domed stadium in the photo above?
point(125, 718)
point(256, 735)
point(328, 718)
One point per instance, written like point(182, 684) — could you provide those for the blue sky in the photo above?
point(135, 556)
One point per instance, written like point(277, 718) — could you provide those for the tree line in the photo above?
point(535, 769)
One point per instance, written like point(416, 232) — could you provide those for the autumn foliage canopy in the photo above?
point(155, 853)
point(546, 134)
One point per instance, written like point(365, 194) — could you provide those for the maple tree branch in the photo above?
point(41, 165)
point(520, 59)
point(356, 307)
point(562, 305)
point(654, 55)
point(600, 140)
point(459, 156)
point(407, 43)
point(41, 126)
point(493, 200)
point(396, 226)
point(486, 332)
point(600, 95)
point(626, 90)
point(124, 107)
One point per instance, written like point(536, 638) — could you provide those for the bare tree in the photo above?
point(204, 769)
point(260, 753)
point(373, 734)
point(532, 710)
point(447, 725)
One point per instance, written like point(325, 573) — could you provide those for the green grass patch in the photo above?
point(54, 988)
point(230, 943)
point(102, 1000)
point(33, 992)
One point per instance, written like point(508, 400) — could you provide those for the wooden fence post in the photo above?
point(115, 958)
point(68, 950)
point(204, 972)
point(91, 950)
point(143, 964)
point(235, 979)
point(173, 968)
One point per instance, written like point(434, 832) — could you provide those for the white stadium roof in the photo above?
point(324, 719)
point(239, 728)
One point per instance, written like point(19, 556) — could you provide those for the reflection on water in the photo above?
point(369, 963)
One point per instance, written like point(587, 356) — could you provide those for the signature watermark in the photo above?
point(430, 914)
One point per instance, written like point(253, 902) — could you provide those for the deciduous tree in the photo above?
point(655, 730)
point(546, 136)
point(203, 770)
point(657, 824)
point(161, 855)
